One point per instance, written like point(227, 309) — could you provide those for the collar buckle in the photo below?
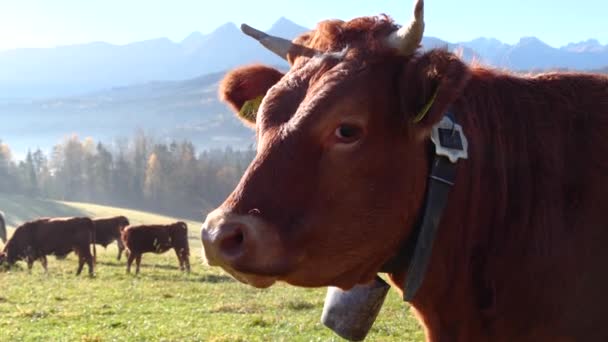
point(449, 140)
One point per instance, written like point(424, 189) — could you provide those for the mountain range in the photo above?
point(78, 69)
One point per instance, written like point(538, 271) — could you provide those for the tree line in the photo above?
point(169, 177)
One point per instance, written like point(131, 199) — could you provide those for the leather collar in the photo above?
point(450, 145)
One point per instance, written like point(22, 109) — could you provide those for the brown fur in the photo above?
point(157, 239)
point(520, 254)
point(362, 35)
point(107, 230)
point(35, 240)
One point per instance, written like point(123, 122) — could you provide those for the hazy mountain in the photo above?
point(590, 45)
point(83, 68)
point(286, 29)
point(224, 48)
point(79, 69)
point(193, 42)
point(532, 53)
point(489, 50)
point(602, 71)
point(465, 52)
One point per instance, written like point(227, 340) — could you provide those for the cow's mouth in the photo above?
point(253, 278)
point(258, 281)
point(260, 276)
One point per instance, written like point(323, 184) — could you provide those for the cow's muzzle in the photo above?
point(246, 247)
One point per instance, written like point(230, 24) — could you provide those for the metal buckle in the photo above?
point(449, 140)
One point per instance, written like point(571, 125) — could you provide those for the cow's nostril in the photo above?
point(231, 240)
point(231, 243)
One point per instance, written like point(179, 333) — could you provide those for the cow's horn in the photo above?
point(277, 45)
point(407, 39)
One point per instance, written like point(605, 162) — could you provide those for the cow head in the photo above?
point(179, 228)
point(123, 222)
point(13, 252)
point(5, 261)
point(342, 152)
point(182, 225)
point(179, 233)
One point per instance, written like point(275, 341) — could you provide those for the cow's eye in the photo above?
point(348, 133)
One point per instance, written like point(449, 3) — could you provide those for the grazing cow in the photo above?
point(157, 239)
point(348, 157)
point(2, 227)
point(107, 230)
point(35, 240)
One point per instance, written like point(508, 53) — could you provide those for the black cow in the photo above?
point(35, 240)
point(107, 230)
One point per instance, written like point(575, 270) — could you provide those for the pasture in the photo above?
point(161, 304)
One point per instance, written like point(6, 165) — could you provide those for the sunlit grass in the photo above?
point(163, 304)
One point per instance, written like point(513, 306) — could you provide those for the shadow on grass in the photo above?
point(162, 267)
point(143, 266)
point(241, 308)
point(298, 305)
point(216, 279)
point(19, 209)
point(16, 267)
point(113, 263)
point(179, 276)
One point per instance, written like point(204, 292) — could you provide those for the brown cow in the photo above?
point(342, 168)
point(35, 240)
point(157, 239)
point(107, 230)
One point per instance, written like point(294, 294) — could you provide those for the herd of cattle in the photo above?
point(35, 240)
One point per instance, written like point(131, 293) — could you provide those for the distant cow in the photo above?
point(59, 236)
point(2, 228)
point(157, 239)
point(107, 230)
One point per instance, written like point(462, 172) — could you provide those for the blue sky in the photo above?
point(41, 23)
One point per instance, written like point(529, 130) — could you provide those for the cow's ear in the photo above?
point(244, 88)
point(430, 83)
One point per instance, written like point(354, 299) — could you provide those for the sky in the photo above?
point(46, 23)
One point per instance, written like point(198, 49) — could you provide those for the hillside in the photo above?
point(19, 209)
point(179, 110)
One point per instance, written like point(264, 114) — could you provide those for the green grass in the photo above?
point(161, 304)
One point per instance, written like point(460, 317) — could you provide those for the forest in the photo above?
point(138, 172)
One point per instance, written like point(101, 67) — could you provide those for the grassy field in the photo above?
point(161, 304)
